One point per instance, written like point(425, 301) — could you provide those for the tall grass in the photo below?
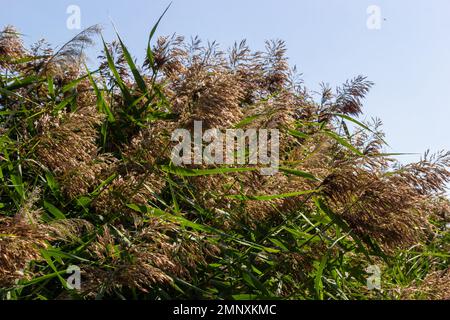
point(86, 180)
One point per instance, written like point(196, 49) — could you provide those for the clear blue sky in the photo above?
point(408, 58)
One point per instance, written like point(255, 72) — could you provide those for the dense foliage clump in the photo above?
point(86, 180)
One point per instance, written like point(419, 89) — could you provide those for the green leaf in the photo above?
point(298, 134)
point(104, 183)
point(63, 104)
point(150, 57)
point(137, 76)
point(299, 173)
point(54, 211)
point(57, 253)
point(272, 197)
point(279, 244)
point(343, 142)
point(75, 82)
point(21, 83)
point(50, 86)
point(318, 284)
point(247, 121)
point(52, 184)
point(18, 185)
point(126, 93)
point(101, 103)
point(344, 116)
point(42, 278)
point(254, 282)
point(84, 201)
point(184, 172)
point(49, 261)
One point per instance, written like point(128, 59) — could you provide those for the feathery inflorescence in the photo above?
point(86, 178)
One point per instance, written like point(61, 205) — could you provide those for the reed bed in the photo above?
point(86, 180)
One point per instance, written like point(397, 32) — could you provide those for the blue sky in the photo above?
point(328, 41)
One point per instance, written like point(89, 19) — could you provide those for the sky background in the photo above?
point(328, 41)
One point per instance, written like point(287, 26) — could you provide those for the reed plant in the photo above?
point(86, 179)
